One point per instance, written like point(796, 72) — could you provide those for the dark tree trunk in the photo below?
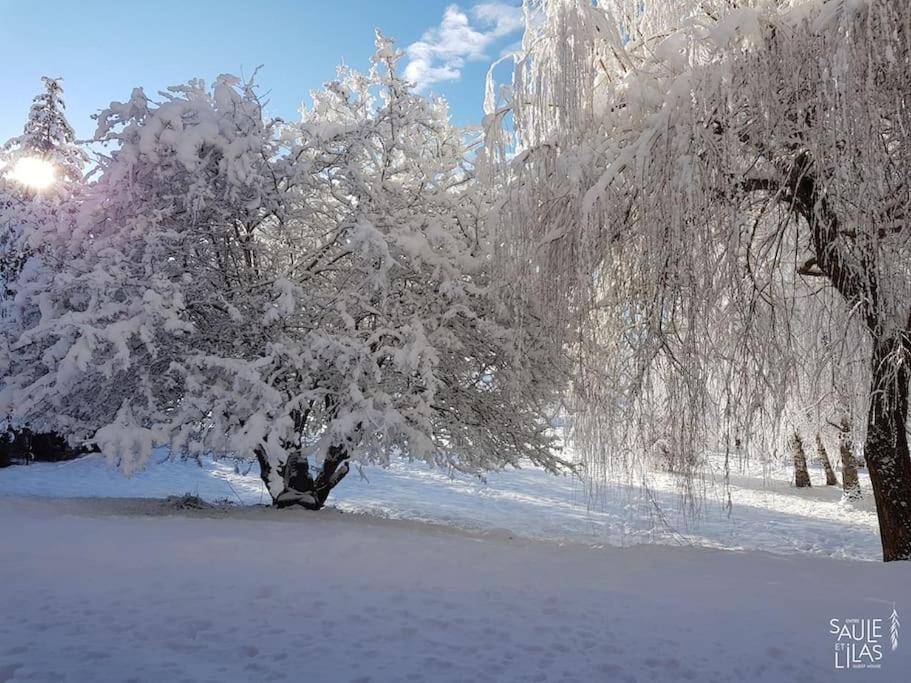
point(886, 449)
point(849, 479)
point(823, 455)
point(801, 475)
point(335, 467)
point(299, 487)
point(265, 469)
point(856, 274)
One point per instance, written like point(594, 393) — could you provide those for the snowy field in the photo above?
point(768, 513)
point(420, 577)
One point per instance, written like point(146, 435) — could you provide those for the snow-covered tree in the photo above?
point(40, 183)
point(47, 138)
point(238, 285)
point(704, 190)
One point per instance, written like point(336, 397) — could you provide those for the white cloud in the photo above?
point(504, 18)
point(442, 51)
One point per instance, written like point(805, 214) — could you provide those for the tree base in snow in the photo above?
point(300, 489)
point(293, 497)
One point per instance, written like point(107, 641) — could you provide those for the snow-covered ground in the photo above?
point(767, 512)
point(122, 590)
point(421, 577)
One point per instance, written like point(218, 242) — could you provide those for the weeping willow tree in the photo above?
point(712, 200)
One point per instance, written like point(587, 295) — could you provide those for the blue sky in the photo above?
point(103, 49)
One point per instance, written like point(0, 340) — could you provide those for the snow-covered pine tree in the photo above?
point(686, 173)
point(48, 137)
point(27, 214)
point(234, 285)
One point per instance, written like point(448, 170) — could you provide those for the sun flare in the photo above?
point(34, 173)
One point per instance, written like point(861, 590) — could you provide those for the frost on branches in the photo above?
point(27, 213)
point(240, 285)
point(714, 198)
point(48, 137)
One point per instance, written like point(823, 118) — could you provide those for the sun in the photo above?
point(33, 172)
